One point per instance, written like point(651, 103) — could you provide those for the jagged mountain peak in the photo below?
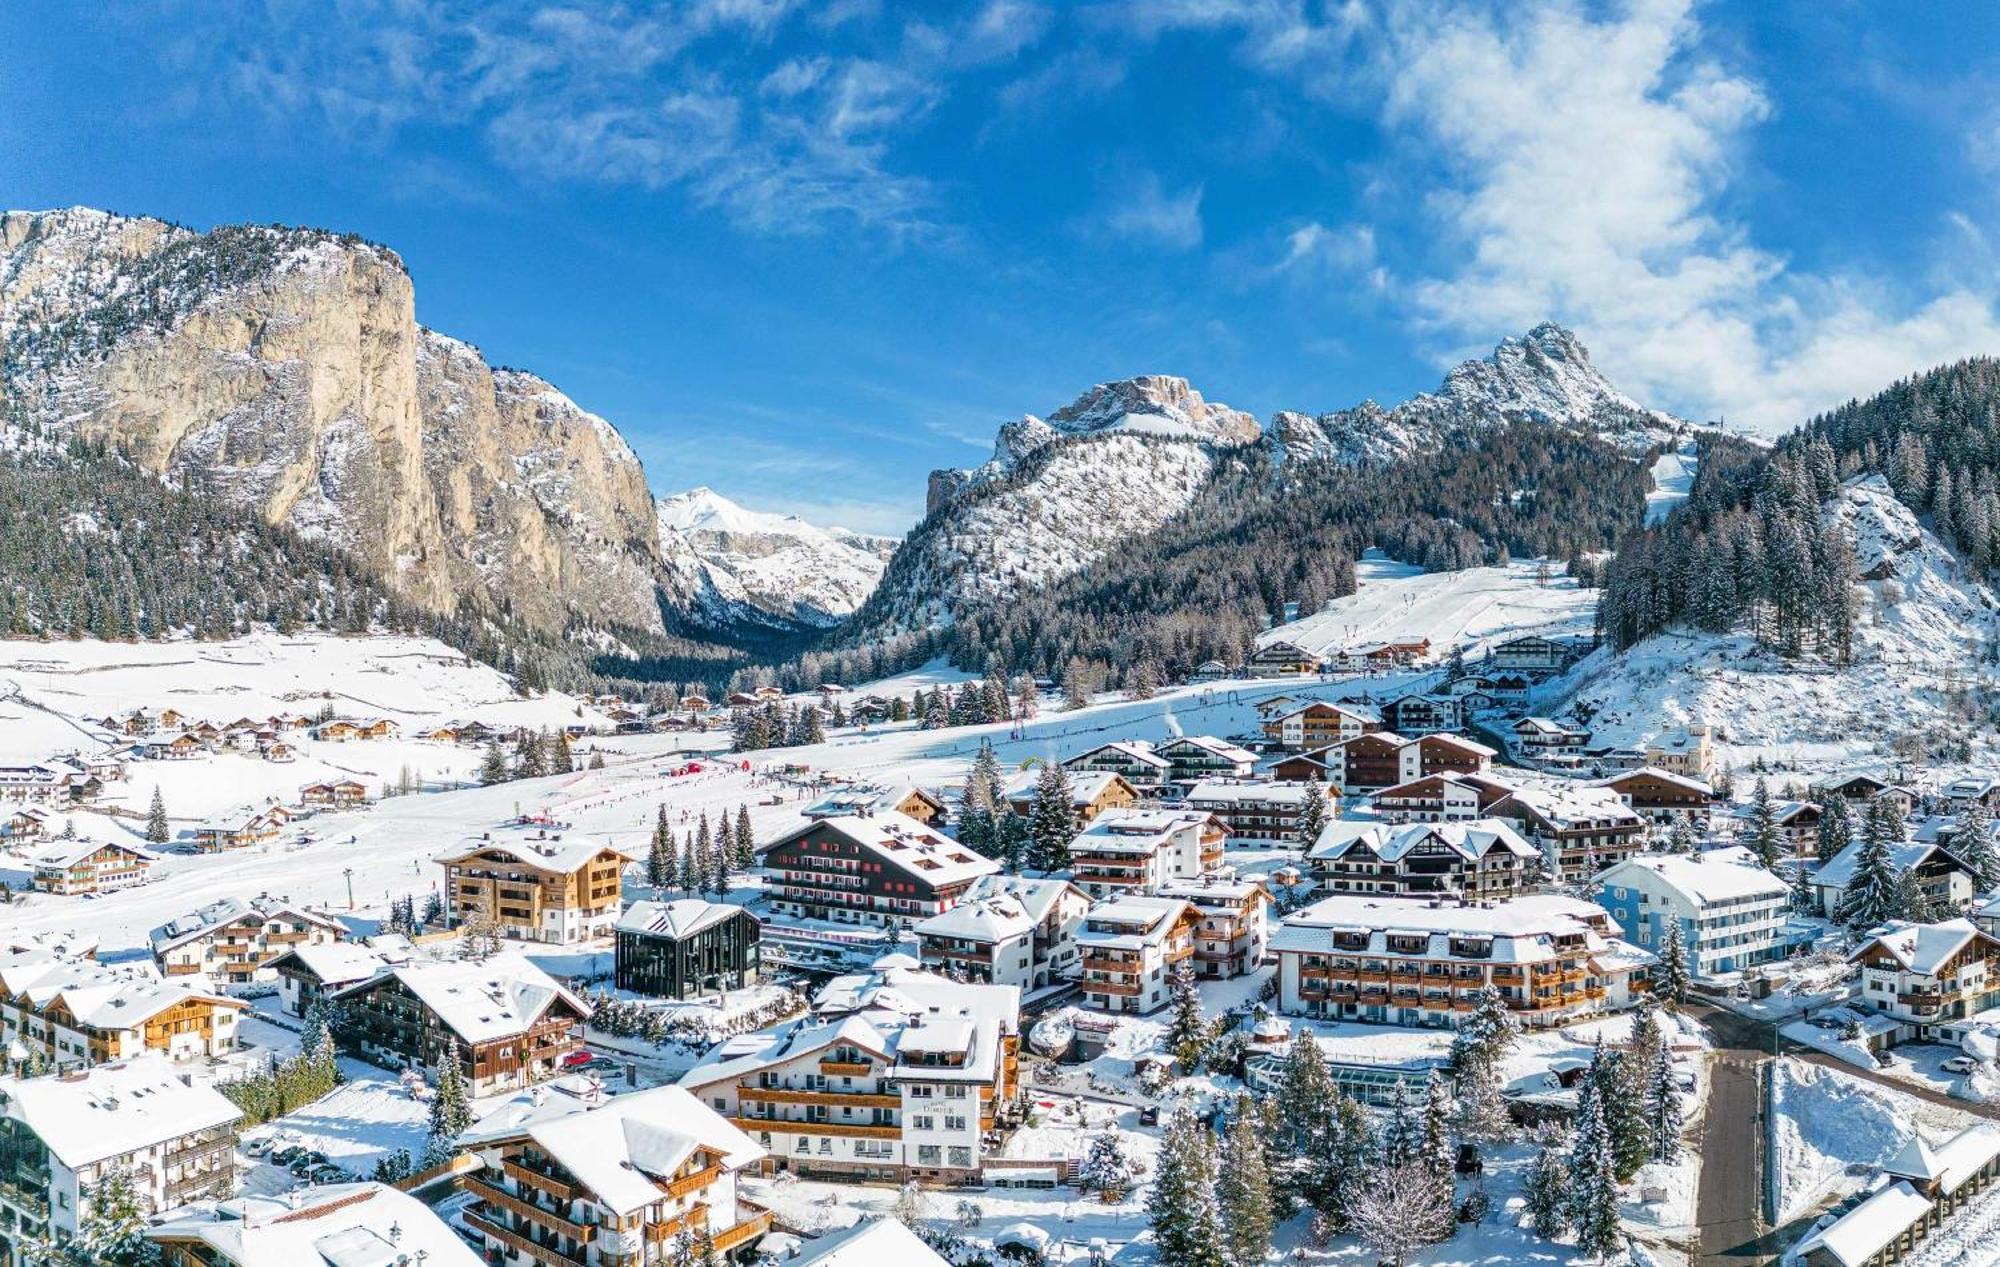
point(1545, 376)
point(769, 568)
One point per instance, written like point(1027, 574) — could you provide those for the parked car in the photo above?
point(1960, 1064)
point(259, 1146)
point(327, 1173)
point(285, 1156)
point(579, 1058)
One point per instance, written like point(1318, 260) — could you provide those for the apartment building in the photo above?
point(234, 940)
point(898, 1075)
point(1924, 976)
point(1316, 724)
point(1137, 851)
point(537, 888)
point(1481, 859)
point(1367, 763)
point(78, 1012)
point(877, 869)
point(509, 1022)
point(1091, 792)
point(1263, 812)
point(1197, 757)
point(1233, 926)
point(1661, 796)
point(1008, 930)
point(1131, 947)
point(1731, 911)
point(61, 1136)
point(1437, 798)
point(1389, 960)
point(572, 1177)
point(1133, 759)
point(1445, 754)
point(1580, 828)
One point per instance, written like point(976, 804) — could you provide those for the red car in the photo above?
point(581, 1056)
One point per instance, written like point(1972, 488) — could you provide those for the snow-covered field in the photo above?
point(1833, 1130)
point(1673, 478)
point(1472, 609)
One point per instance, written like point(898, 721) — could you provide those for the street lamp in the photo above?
point(349, 873)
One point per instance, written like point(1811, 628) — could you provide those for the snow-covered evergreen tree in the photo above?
point(1874, 891)
point(1836, 829)
point(1187, 1030)
point(1764, 838)
point(112, 1230)
point(1593, 1175)
point(157, 830)
point(1243, 1189)
point(1187, 1225)
point(1664, 1115)
point(662, 866)
point(1973, 845)
point(1107, 1168)
point(1477, 1052)
point(745, 844)
point(1547, 1191)
point(1051, 820)
point(1312, 813)
point(1682, 837)
point(1673, 982)
point(451, 1108)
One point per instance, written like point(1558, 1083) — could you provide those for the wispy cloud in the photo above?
point(1139, 208)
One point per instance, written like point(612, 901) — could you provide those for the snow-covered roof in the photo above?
point(1211, 888)
point(1966, 1153)
point(981, 919)
point(481, 1000)
point(119, 996)
point(1129, 923)
point(1924, 948)
point(1037, 895)
point(1472, 839)
point(1214, 747)
point(1135, 750)
point(229, 910)
point(561, 854)
point(1862, 1232)
point(1702, 880)
point(1838, 871)
point(67, 853)
point(855, 800)
point(895, 987)
point(902, 841)
point(339, 1225)
point(1085, 786)
point(876, 1242)
point(623, 1148)
point(1563, 803)
point(678, 919)
point(342, 962)
point(1136, 831)
point(1520, 928)
point(1681, 781)
point(1225, 791)
point(110, 1110)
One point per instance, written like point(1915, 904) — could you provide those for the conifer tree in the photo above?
point(1187, 1226)
point(1972, 843)
point(493, 768)
point(704, 851)
point(746, 840)
point(1673, 980)
point(1874, 891)
point(1344, 1154)
point(661, 864)
point(1015, 841)
point(1107, 1169)
point(1477, 1052)
point(692, 879)
point(1187, 1032)
point(529, 759)
point(1547, 1191)
point(451, 1107)
point(1402, 1141)
point(112, 1230)
point(1051, 820)
point(1312, 813)
point(1836, 829)
point(561, 759)
point(1682, 837)
point(1593, 1177)
point(1764, 840)
point(434, 912)
point(1663, 1105)
point(1305, 1096)
point(1243, 1189)
point(157, 830)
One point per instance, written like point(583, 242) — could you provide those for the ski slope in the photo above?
point(1472, 609)
point(1673, 478)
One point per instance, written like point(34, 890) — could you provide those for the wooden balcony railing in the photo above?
point(543, 1254)
point(493, 1195)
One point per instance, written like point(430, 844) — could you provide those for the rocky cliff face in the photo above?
point(284, 370)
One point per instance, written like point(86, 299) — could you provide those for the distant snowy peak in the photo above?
point(1543, 377)
point(770, 568)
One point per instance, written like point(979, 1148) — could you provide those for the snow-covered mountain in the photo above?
point(1545, 377)
point(776, 565)
point(283, 371)
point(1924, 622)
point(1059, 492)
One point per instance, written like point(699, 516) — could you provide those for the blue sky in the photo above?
point(806, 252)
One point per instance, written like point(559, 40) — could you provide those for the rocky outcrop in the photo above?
point(284, 370)
point(776, 569)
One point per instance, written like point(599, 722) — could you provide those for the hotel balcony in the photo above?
point(546, 1255)
point(498, 1198)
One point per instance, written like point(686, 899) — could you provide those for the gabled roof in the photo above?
point(1720, 875)
point(229, 910)
point(623, 1148)
point(987, 920)
point(881, 1241)
point(1284, 794)
point(1136, 750)
point(1838, 871)
point(67, 853)
point(1656, 773)
point(339, 963)
point(1037, 895)
point(900, 841)
point(679, 919)
point(1470, 840)
point(480, 1000)
point(1858, 1235)
point(1925, 948)
point(1214, 747)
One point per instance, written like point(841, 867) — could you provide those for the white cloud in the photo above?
point(1140, 209)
